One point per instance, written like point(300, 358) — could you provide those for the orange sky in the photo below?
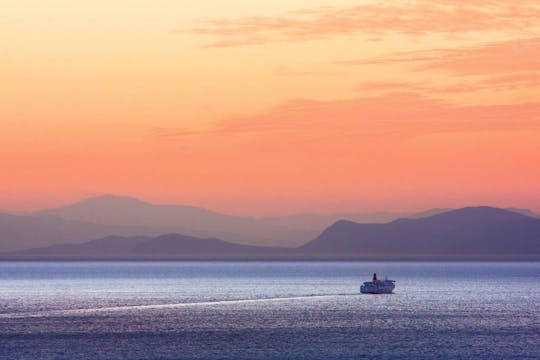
point(256, 108)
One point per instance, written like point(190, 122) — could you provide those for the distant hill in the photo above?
point(476, 232)
point(169, 246)
point(189, 220)
point(436, 231)
point(28, 231)
point(289, 230)
point(526, 212)
point(102, 216)
point(318, 222)
point(468, 233)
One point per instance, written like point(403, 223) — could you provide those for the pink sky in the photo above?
point(271, 108)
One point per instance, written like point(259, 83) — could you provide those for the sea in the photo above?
point(268, 310)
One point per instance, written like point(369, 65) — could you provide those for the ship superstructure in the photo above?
point(377, 286)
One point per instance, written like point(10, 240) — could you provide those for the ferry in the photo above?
point(377, 286)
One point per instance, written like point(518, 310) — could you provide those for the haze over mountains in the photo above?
point(27, 231)
point(168, 246)
point(125, 216)
point(290, 230)
point(468, 233)
point(189, 220)
point(317, 222)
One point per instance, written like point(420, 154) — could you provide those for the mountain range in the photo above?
point(27, 231)
point(101, 216)
point(467, 233)
point(475, 232)
point(168, 246)
point(112, 210)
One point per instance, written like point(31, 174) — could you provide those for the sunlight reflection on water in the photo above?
point(265, 310)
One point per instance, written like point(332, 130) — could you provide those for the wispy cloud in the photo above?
point(387, 116)
point(512, 81)
point(411, 17)
point(420, 87)
point(518, 55)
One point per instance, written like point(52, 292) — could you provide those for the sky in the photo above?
point(271, 107)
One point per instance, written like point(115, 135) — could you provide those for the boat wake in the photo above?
point(113, 309)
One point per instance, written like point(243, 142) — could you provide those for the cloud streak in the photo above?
point(505, 82)
point(368, 146)
point(410, 18)
point(518, 55)
point(383, 117)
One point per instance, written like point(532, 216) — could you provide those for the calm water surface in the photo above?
point(267, 310)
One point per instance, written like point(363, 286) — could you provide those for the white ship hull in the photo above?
point(378, 287)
